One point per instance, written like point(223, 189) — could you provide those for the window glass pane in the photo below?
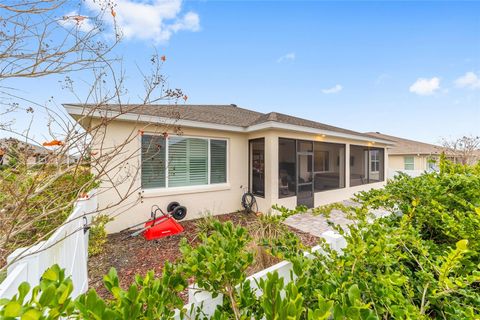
point(153, 161)
point(374, 161)
point(329, 164)
point(286, 168)
point(187, 161)
point(257, 167)
point(409, 163)
point(376, 165)
point(218, 161)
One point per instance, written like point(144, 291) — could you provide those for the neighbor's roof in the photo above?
point(6, 143)
point(222, 116)
point(406, 146)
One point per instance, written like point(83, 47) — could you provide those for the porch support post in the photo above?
point(347, 165)
point(271, 169)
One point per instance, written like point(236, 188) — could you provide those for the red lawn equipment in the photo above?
point(164, 225)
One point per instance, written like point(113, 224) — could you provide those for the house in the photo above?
point(206, 157)
point(410, 156)
point(11, 148)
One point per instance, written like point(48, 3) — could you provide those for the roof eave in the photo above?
point(293, 127)
point(80, 111)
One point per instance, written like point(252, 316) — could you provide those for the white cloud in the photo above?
point(468, 80)
point(425, 87)
point(335, 89)
point(155, 21)
point(287, 57)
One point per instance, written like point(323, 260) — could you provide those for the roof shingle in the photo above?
point(406, 146)
point(217, 114)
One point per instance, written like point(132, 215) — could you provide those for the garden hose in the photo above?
point(248, 202)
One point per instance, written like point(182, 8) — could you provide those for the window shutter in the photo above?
point(187, 165)
point(153, 161)
point(198, 162)
point(218, 161)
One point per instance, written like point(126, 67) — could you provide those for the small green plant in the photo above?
point(98, 234)
point(220, 262)
point(206, 223)
point(283, 213)
point(265, 230)
point(49, 300)
point(326, 210)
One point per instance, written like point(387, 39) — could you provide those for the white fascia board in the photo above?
point(293, 127)
point(80, 111)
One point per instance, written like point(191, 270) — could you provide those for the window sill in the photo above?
point(158, 192)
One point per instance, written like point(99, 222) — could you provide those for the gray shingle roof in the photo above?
point(6, 143)
point(406, 146)
point(217, 114)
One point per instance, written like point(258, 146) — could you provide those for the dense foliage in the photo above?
point(35, 200)
point(420, 262)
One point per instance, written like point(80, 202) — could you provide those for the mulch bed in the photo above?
point(131, 256)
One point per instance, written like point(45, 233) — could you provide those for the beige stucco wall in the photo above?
point(135, 208)
point(124, 176)
point(396, 162)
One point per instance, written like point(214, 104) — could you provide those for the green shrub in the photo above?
point(97, 234)
point(422, 262)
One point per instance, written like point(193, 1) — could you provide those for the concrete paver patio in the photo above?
point(317, 224)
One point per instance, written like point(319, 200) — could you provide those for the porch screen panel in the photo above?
point(218, 161)
point(329, 166)
point(187, 162)
point(367, 165)
point(153, 161)
point(287, 168)
point(257, 166)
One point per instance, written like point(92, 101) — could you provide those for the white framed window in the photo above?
point(181, 161)
point(409, 163)
point(374, 161)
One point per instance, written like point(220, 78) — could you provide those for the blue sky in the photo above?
point(410, 69)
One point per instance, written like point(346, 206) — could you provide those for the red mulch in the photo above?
point(132, 256)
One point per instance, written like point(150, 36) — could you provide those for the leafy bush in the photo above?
point(420, 263)
point(97, 234)
point(49, 300)
point(36, 201)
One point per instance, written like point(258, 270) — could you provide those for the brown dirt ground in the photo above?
point(132, 256)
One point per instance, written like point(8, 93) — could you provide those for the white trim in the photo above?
point(80, 111)
point(209, 169)
point(167, 165)
point(158, 192)
point(293, 127)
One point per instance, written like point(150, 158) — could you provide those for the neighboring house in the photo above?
point(32, 154)
point(223, 150)
point(410, 156)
